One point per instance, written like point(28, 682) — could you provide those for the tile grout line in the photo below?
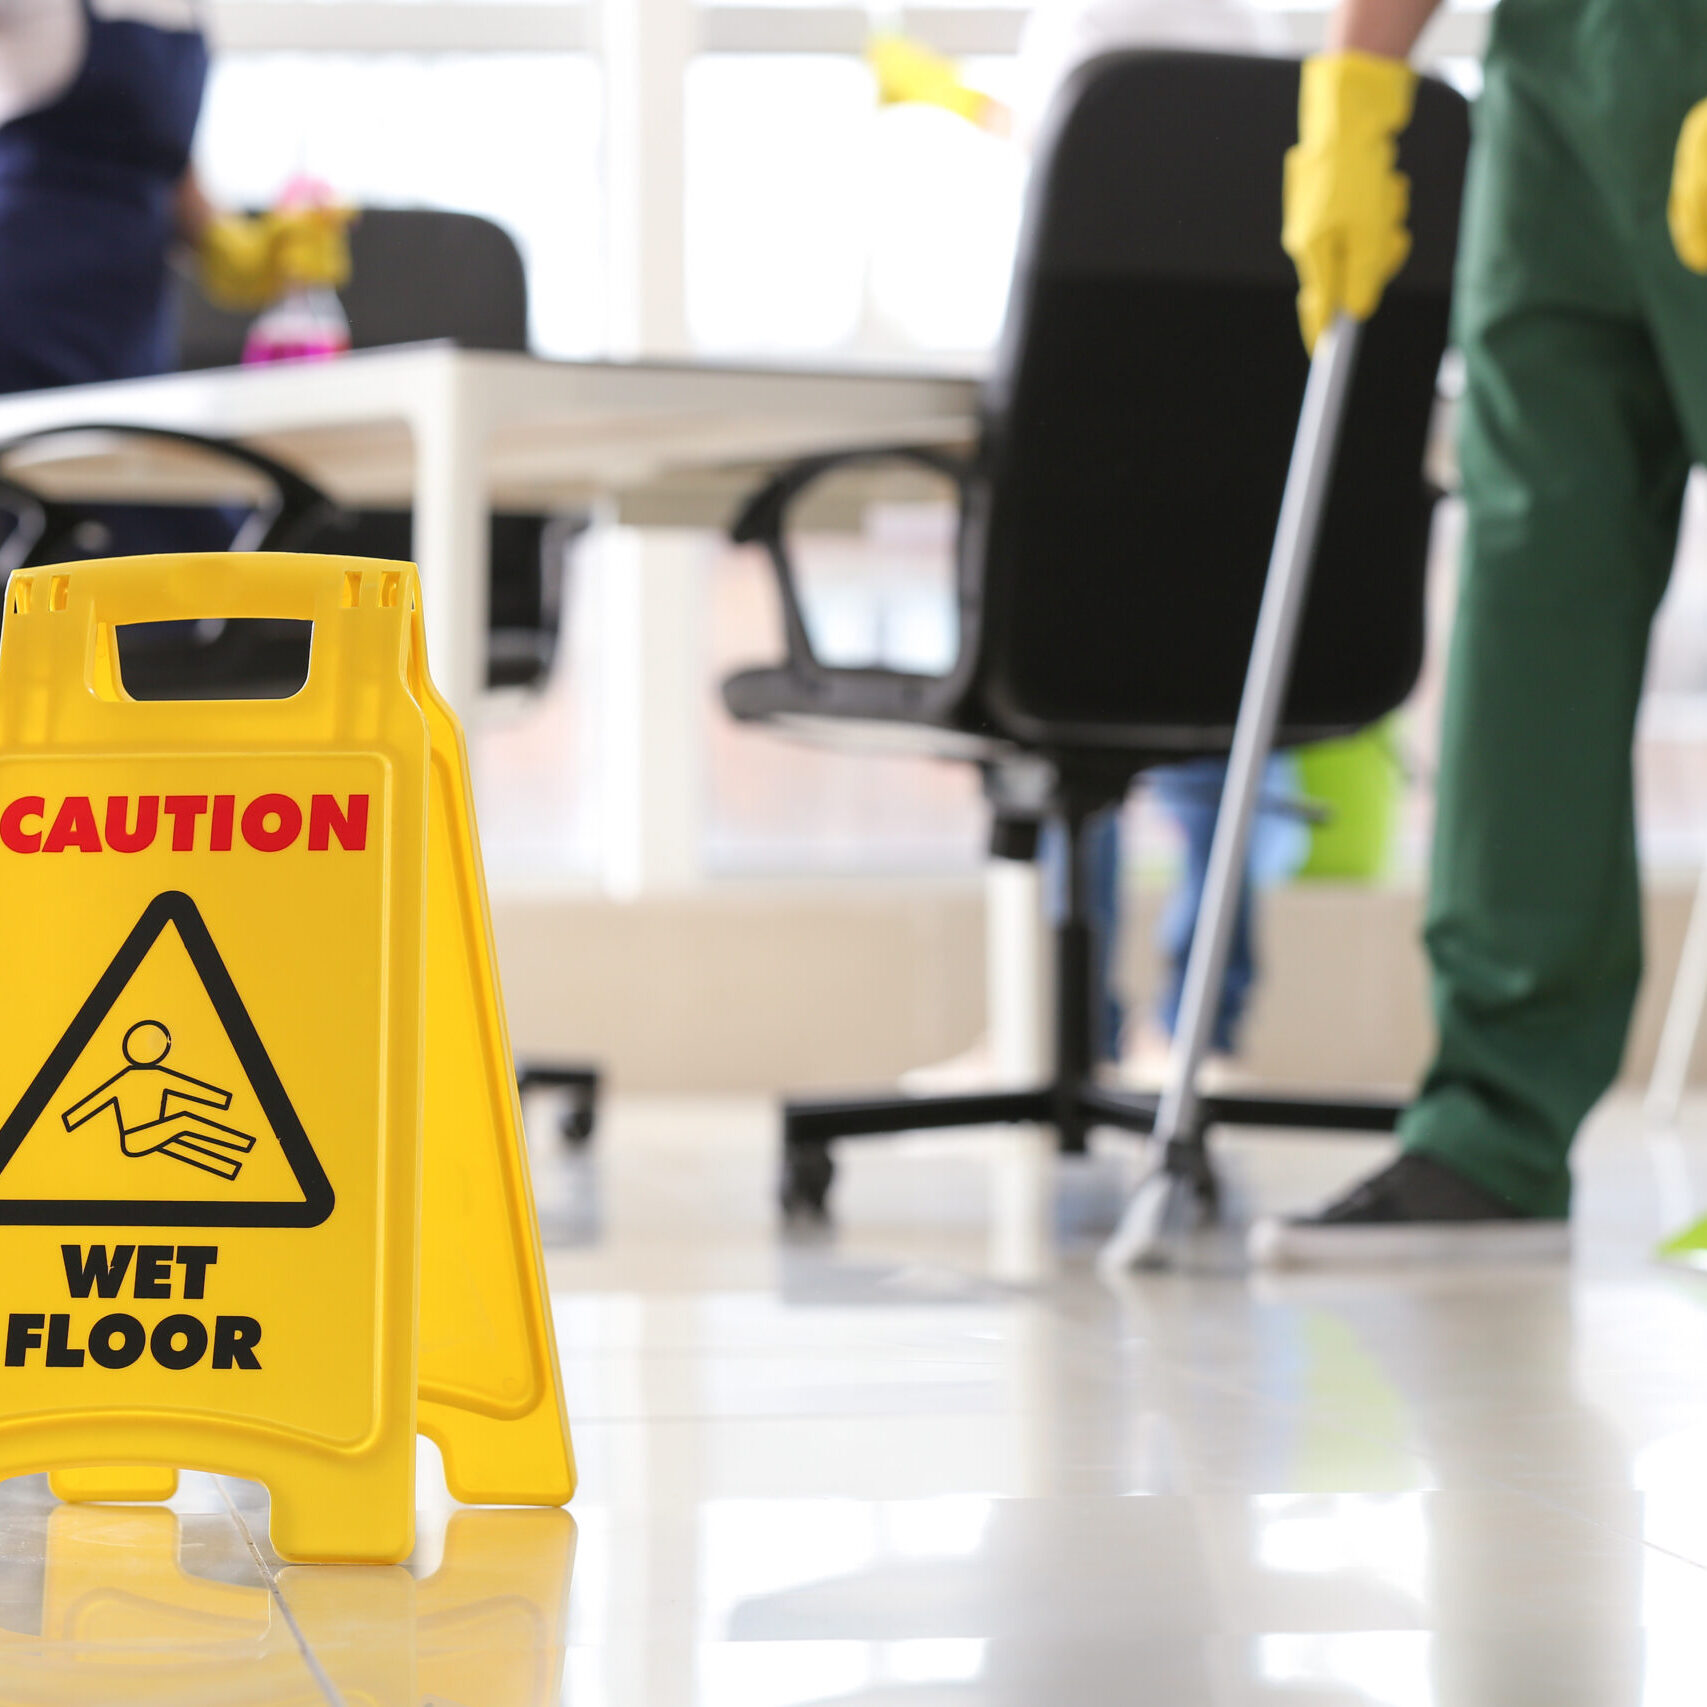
point(317, 1671)
point(1599, 1524)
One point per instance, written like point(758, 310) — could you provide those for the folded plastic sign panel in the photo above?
point(255, 1071)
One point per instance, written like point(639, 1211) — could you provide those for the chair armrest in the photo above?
point(763, 519)
point(29, 522)
point(296, 508)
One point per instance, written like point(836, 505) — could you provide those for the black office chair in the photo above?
point(418, 274)
point(271, 508)
point(281, 510)
point(1117, 519)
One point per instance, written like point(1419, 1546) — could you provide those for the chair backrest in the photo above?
point(416, 274)
point(1143, 414)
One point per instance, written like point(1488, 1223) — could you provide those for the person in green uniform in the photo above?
point(1581, 312)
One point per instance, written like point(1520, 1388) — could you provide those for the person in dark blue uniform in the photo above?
point(90, 179)
point(98, 107)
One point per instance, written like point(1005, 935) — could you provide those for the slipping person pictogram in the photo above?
point(144, 1086)
point(232, 1128)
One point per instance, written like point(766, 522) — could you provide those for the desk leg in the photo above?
point(1016, 992)
point(652, 698)
point(1016, 976)
point(451, 541)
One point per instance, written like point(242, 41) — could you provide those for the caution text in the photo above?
point(183, 823)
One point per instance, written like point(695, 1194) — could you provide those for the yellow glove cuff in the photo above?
point(907, 71)
point(1353, 95)
point(1686, 209)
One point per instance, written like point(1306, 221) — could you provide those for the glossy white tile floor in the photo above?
point(866, 1470)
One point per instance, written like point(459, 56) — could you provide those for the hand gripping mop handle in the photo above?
point(1288, 581)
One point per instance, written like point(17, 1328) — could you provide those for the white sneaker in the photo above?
point(971, 1070)
point(1144, 1067)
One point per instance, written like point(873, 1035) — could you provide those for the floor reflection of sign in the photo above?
point(193, 1128)
point(121, 1619)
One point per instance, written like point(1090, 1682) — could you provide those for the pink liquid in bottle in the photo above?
point(306, 324)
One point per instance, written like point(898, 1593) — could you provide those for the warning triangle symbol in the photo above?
point(159, 1106)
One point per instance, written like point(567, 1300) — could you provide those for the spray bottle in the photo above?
point(307, 322)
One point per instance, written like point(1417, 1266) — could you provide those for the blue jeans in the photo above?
point(1191, 795)
point(1102, 877)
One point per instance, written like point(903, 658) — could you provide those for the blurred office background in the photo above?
point(719, 180)
point(874, 1468)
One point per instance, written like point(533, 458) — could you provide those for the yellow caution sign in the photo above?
point(491, 1396)
point(264, 1202)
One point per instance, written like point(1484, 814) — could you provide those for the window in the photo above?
point(513, 136)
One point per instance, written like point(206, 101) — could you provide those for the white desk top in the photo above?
point(673, 442)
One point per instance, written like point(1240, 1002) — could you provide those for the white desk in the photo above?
point(456, 432)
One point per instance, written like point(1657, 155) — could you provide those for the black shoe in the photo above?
point(1415, 1210)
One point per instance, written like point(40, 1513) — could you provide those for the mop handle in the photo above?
point(1288, 580)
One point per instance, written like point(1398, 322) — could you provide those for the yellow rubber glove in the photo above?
point(311, 244)
point(1686, 211)
point(234, 262)
point(907, 71)
point(1345, 201)
point(246, 261)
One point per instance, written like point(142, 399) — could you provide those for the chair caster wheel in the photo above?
point(579, 1090)
point(807, 1174)
point(1205, 1189)
point(579, 1120)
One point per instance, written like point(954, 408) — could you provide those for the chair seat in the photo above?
point(869, 709)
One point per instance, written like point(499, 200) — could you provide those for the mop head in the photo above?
point(1688, 1247)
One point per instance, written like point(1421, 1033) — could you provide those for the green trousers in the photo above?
point(1585, 346)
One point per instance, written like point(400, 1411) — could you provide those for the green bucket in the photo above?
point(1359, 782)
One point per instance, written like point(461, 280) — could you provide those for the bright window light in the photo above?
point(776, 192)
point(515, 137)
point(1375, 1668)
point(946, 201)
